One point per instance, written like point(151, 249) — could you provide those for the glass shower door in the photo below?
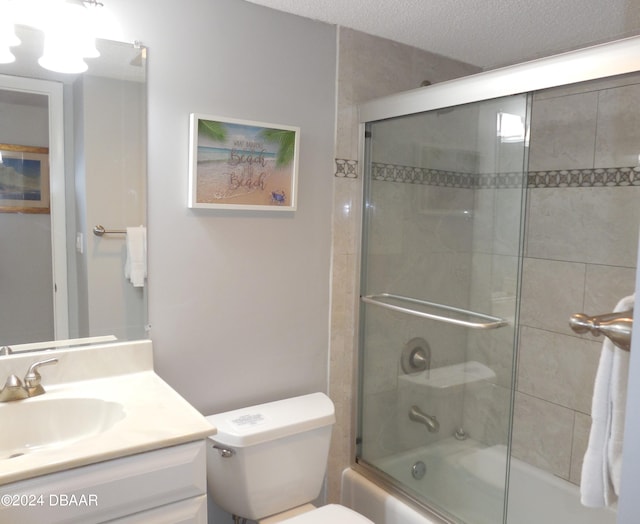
point(445, 194)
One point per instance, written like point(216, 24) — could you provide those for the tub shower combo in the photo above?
point(450, 226)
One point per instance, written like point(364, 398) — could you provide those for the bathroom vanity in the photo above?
point(109, 440)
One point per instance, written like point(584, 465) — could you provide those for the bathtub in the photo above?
point(470, 478)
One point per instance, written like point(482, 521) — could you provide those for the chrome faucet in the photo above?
point(16, 389)
point(430, 421)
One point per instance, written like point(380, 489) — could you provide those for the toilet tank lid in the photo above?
point(257, 424)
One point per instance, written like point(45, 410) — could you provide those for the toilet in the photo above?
point(267, 462)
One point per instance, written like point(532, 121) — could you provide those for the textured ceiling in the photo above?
point(485, 33)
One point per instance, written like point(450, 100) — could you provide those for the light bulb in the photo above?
point(63, 63)
point(61, 54)
point(68, 39)
point(6, 56)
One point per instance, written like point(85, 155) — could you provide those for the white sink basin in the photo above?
point(41, 423)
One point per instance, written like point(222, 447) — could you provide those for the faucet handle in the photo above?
point(13, 390)
point(32, 378)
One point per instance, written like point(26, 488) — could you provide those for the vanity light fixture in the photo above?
point(69, 28)
point(69, 38)
point(8, 38)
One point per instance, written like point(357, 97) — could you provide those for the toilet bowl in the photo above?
point(267, 462)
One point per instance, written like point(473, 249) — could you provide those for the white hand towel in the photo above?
point(600, 479)
point(135, 267)
point(619, 381)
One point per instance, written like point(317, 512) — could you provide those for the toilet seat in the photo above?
point(333, 513)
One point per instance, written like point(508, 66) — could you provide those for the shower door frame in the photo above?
point(600, 61)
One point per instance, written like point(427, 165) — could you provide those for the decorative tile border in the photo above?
point(419, 175)
point(346, 168)
point(499, 180)
point(438, 177)
point(598, 177)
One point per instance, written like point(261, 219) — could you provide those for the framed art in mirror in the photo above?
point(242, 164)
point(24, 179)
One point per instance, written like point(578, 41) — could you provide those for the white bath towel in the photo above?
point(600, 480)
point(135, 267)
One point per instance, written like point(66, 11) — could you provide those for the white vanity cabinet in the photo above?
point(168, 485)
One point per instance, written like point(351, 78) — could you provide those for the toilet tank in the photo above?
point(279, 455)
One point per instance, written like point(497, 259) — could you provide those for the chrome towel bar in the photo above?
point(382, 300)
point(615, 326)
point(100, 230)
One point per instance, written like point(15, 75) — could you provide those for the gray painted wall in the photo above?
point(238, 301)
point(26, 279)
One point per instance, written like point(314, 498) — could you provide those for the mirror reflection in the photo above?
point(73, 152)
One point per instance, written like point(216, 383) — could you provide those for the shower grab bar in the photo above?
point(100, 231)
point(615, 326)
point(378, 300)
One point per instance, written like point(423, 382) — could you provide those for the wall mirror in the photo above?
point(73, 152)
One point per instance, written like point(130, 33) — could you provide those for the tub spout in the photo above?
point(430, 421)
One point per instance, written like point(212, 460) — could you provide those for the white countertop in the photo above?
point(155, 416)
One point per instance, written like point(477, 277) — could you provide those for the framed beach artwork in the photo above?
point(24, 179)
point(242, 164)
